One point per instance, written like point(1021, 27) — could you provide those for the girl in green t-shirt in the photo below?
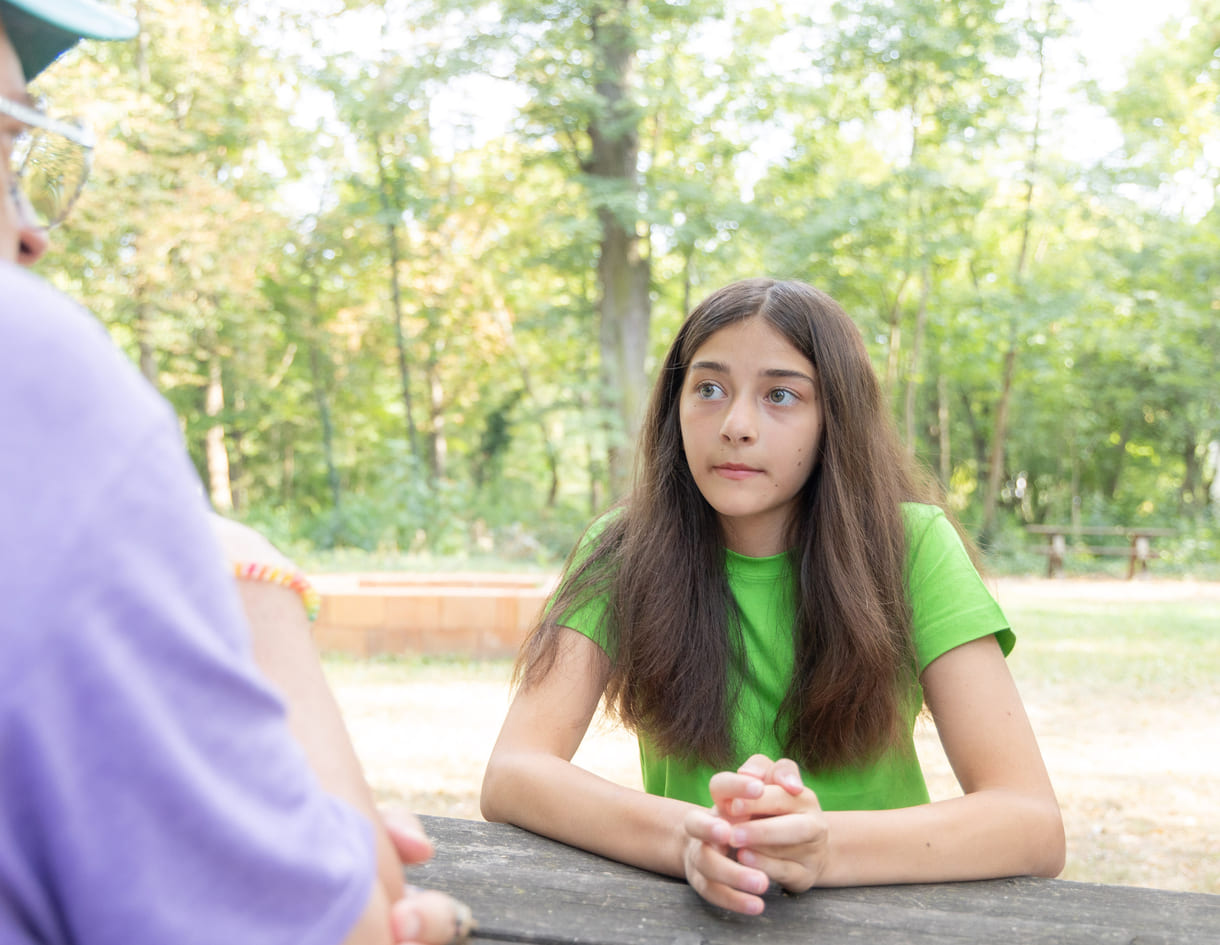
point(768, 610)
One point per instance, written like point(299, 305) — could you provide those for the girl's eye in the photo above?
point(780, 395)
point(706, 390)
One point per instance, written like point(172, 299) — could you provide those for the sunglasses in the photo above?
point(50, 162)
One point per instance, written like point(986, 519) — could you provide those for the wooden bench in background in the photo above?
point(1138, 549)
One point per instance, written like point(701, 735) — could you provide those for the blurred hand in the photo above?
point(407, 835)
point(422, 916)
point(428, 917)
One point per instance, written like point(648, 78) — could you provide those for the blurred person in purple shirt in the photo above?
point(173, 767)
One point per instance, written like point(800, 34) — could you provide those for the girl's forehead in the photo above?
point(748, 339)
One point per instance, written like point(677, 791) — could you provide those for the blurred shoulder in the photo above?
point(58, 366)
point(32, 310)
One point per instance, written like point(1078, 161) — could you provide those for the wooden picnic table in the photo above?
point(1138, 550)
point(524, 888)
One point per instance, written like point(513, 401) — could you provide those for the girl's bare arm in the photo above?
point(531, 782)
point(1007, 823)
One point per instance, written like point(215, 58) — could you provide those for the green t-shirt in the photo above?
point(950, 606)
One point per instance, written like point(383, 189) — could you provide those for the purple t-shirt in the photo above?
point(150, 792)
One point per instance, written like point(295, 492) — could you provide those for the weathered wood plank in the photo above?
point(527, 889)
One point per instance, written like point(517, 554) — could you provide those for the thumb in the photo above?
point(410, 842)
point(787, 775)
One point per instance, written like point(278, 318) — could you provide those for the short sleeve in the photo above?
point(950, 604)
point(588, 618)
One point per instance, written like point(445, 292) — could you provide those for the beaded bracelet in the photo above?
point(293, 580)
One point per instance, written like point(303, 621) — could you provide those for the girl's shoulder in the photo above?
point(929, 528)
point(591, 544)
point(918, 516)
point(593, 531)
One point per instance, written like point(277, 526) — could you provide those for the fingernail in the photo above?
point(739, 838)
point(463, 921)
point(406, 926)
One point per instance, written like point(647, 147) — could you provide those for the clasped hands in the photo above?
point(765, 826)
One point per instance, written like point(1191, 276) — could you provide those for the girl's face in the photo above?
point(751, 426)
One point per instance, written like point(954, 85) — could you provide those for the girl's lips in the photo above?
point(736, 471)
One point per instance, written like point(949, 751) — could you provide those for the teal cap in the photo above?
point(42, 29)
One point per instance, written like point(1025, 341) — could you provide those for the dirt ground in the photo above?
point(1138, 781)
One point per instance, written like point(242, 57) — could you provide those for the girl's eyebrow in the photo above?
point(785, 372)
point(721, 368)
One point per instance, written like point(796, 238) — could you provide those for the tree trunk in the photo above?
point(995, 475)
point(688, 266)
point(318, 382)
point(894, 352)
point(913, 371)
point(391, 226)
point(978, 439)
point(287, 467)
point(1211, 483)
point(438, 446)
point(549, 451)
point(1120, 460)
point(623, 267)
point(942, 429)
point(999, 438)
point(1191, 495)
point(147, 354)
point(219, 487)
point(1076, 499)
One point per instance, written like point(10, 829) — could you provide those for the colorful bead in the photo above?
point(293, 580)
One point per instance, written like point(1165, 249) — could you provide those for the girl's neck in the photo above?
point(755, 540)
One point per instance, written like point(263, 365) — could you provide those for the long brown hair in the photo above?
point(659, 563)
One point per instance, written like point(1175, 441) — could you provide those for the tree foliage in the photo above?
point(405, 267)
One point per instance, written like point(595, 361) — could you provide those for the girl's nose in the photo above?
point(740, 423)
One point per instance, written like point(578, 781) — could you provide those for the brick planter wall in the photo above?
point(477, 615)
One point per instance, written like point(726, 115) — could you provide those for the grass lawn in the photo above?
point(1121, 679)
point(1125, 695)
